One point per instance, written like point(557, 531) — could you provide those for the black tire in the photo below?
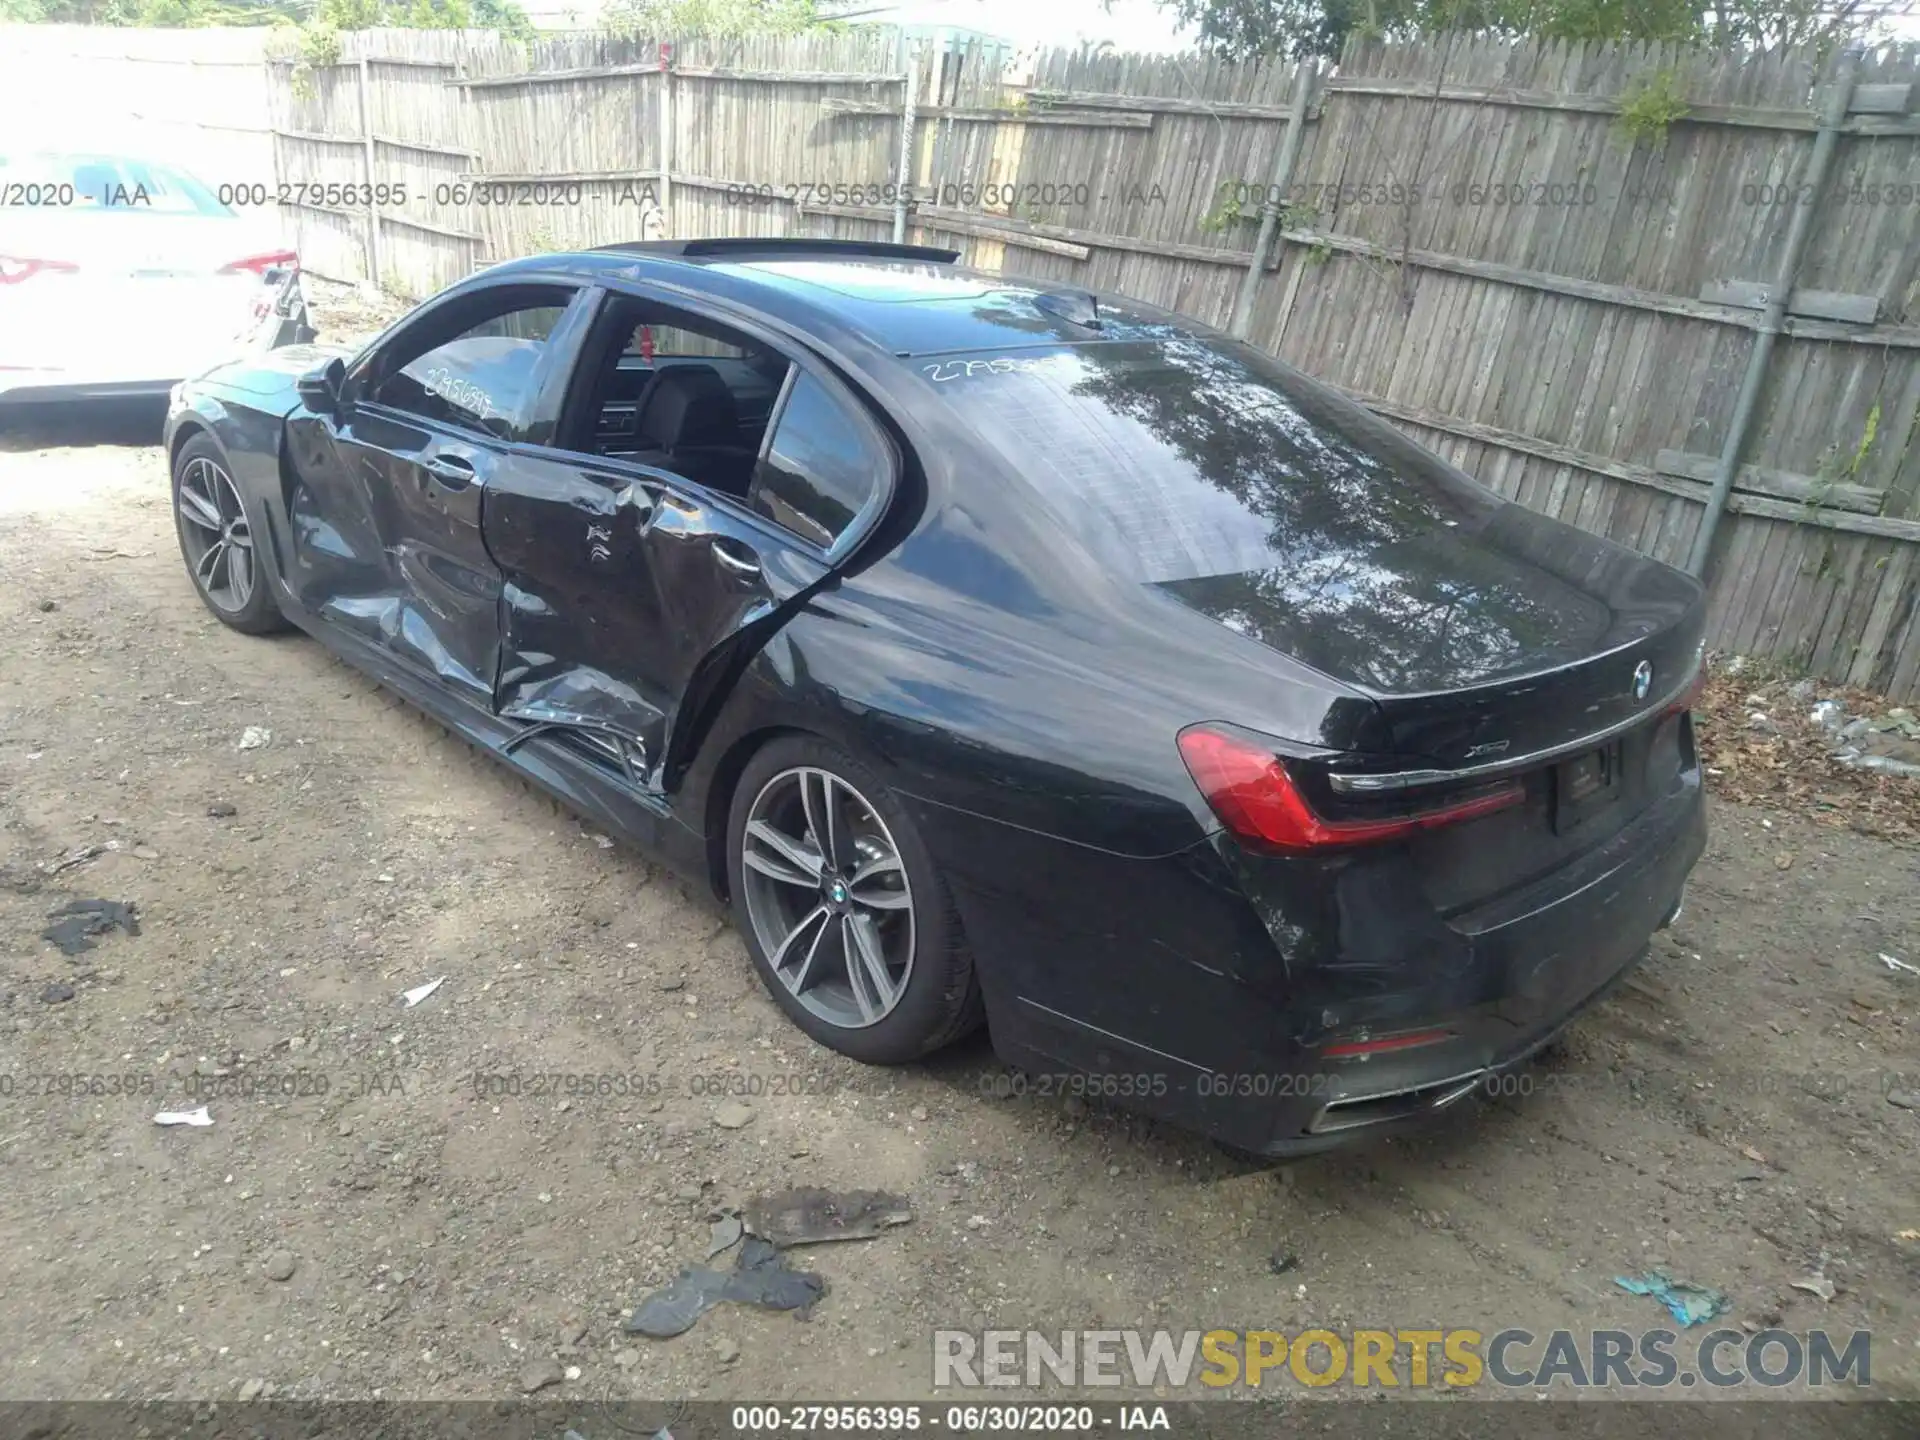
point(940, 1001)
point(259, 613)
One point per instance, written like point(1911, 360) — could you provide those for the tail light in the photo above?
point(16, 269)
point(1249, 788)
point(261, 264)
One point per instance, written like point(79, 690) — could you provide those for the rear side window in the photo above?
point(822, 469)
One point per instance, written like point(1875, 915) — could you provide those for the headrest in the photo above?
point(688, 405)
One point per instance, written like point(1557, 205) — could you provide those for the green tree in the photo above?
point(1245, 28)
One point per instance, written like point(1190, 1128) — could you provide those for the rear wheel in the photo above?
point(216, 540)
point(849, 924)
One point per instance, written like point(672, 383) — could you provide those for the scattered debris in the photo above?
point(732, 1115)
point(1904, 1099)
point(222, 810)
point(1898, 965)
point(56, 993)
point(1816, 1285)
point(811, 1216)
point(196, 1117)
point(539, 1374)
point(420, 992)
point(254, 737)
point(1688, 1303)
point(76, 922)
point(1283, 1260)
point(1832, 761)
point(760, 1276)
point(1906, 1234)
point(724, 1234)
point(79, 855)
point(1753, 1155)
point(280, 1265)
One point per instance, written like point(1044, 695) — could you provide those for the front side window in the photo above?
point(822, 469)
point(480, 378)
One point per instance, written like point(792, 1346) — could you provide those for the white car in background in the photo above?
point(120, 277)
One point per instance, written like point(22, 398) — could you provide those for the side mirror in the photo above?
point(320, 389)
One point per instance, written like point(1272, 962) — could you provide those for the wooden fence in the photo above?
point(1600, 278)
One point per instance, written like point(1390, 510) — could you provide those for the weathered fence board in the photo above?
point(1468, 238)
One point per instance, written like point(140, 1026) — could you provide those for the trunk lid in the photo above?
point(1482, 639)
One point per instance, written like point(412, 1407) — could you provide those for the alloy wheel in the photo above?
point(827, 895)
point(216, 536)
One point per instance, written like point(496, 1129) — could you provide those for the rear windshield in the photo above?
point(106, 183)
point(1180, 461)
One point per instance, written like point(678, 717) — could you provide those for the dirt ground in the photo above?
point(1726, 1115)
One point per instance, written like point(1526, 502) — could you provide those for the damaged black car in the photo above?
point(1001, 653)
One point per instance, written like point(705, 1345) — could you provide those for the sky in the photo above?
point(1126, 24)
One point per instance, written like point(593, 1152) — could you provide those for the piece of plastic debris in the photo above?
point(723, 1235)
point(79, 855)
point(254, 737)
point(76, 922)
point(811, 1216)
point(1689, 1304)
point(760, 1276)
point(1816, 1285)
point(1906, 1234)
point(420, 992)
point(198, 1117)
point(1895, 964)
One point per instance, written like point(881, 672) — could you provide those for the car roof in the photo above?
point(909, 300)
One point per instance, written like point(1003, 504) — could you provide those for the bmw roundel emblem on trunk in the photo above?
point(1642, 679)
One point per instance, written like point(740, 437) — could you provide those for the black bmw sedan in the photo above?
point(1000, 653)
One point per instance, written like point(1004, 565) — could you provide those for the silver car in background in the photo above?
point(121, 276)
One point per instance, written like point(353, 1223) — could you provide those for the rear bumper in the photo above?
point(1205, 988)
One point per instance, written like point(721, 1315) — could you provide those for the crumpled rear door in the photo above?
point(625, 595)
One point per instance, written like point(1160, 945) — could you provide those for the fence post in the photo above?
point(666, 133)
point(1304, 75)
point(1833, 114)
point(373, 210)
point(909, 71)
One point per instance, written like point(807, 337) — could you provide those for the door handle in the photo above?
point(451, 471)
point(727, 560)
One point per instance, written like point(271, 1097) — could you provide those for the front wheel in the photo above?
point(217, 541)
point(849, 924)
